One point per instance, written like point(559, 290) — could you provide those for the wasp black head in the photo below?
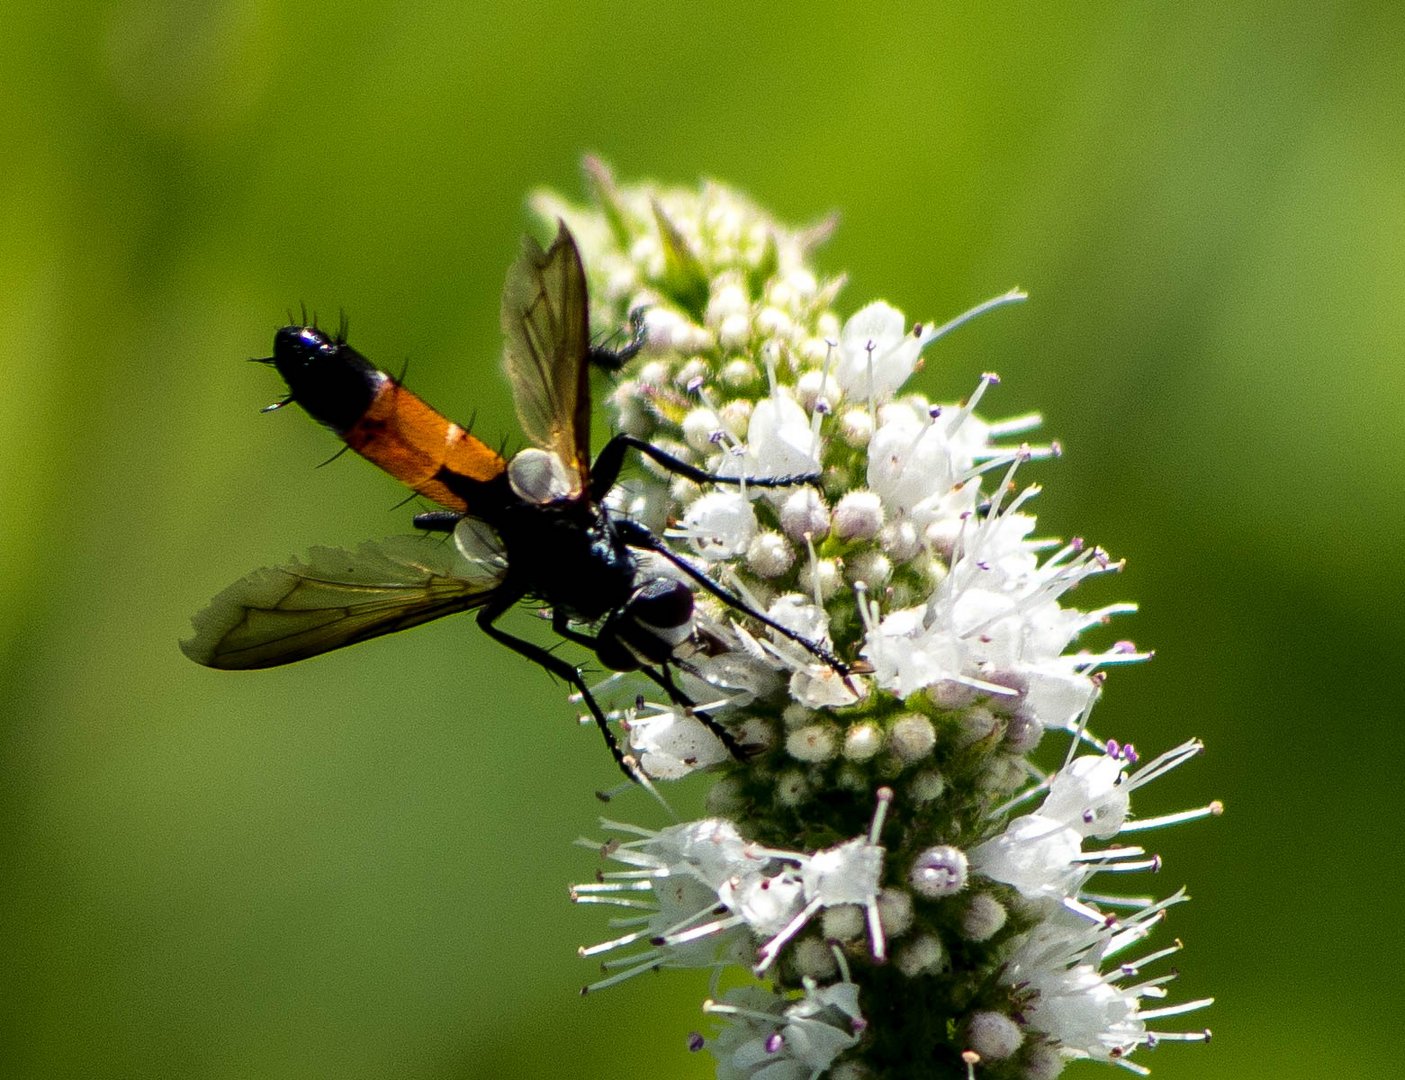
point(325, 375)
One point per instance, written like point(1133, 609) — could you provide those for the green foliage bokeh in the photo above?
point(356, 867)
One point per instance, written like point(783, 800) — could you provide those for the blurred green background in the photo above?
point(357, 867)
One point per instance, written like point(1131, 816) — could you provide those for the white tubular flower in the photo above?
point(881, 644)
point(877, 352)
point(775, 1037)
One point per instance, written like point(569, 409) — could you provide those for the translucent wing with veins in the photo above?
point(545, 321)
point(279, 614)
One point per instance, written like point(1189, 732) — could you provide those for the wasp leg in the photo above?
point(438, 520)
point(606, 468)
point(635, 535)
point(602, 356)
point(663, 678)
point(554, 665)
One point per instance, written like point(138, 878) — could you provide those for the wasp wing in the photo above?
point(546, 324)
point(335, 598)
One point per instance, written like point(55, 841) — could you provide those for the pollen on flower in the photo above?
point(885, 801)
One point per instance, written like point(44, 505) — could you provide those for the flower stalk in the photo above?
point(915, 894)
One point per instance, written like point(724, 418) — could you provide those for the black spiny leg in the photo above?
point(554, 665)
point(635, 535)
point(663, 678)
point(606, 468)
point(603, 356)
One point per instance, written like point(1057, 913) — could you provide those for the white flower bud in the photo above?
point(770, 555)
point(983, 918)
point(804, 514)
point(734, 332)
point(1022, 733)
point(726, 797)
point(700, 427)
point(859, 516)
point(895, 911)
point(825, 572)
point(811, 386)
point(843, 922)
point(939, 871)
point(720, 525)
point(728, 300)
point(856, 427)
point(862, 741)
point(912, 738)
point(736, 417)
point(792, 789)
point(775, 323)
point(812, 958)
point(922, 955)
point(976, 725)
point(1041, 1062)
point(739, 372)
point(631, 413)
point(900, 540)
point(812, 744)
point(873, 569)
point(993, 1035)
point(694, 370)
point(926, 786)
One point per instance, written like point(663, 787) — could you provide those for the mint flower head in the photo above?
point(899, 874)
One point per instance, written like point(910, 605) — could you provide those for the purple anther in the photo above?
point(774, 1042)
point(716, 437)
point(695, 1042)
point(934, 411)
point(695, 384)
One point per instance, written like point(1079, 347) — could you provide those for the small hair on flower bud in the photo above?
point(895, 912)
point(993, 1035)
point(983, 918)
point(926, 786)
point(804, 515)
point(856, 427)
point(769, 555)
point(912, 738)
point(863, 741)
point(922, 954)
point(858, 516)
point(844, 922)
point(813, 743)
point(1042, 1062)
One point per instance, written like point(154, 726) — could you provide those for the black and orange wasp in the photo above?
point(537, 525)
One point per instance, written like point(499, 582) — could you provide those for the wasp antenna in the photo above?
point(334, 457)
point(277, 405)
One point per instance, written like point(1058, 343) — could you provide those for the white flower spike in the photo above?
point(882, 838)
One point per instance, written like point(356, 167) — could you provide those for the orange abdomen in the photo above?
point(421, 447)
